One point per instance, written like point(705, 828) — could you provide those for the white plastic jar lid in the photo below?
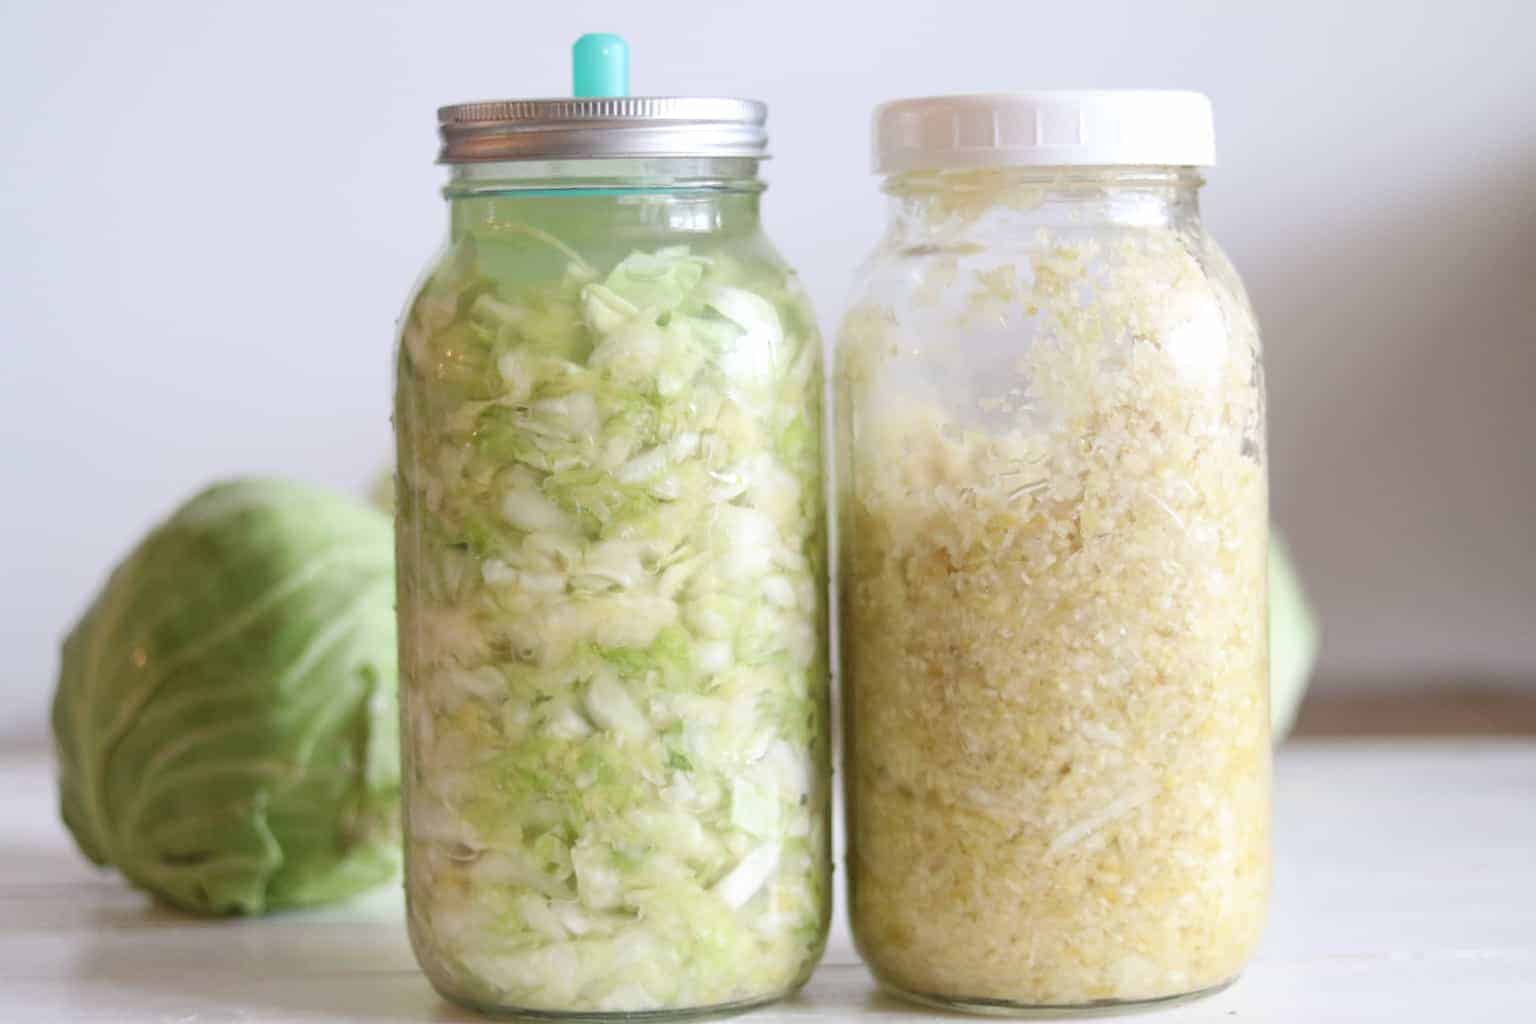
point(1081, 128)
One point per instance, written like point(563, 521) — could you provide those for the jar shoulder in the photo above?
point(935, 263)
point(521, 288)
point(518, 258)
point(993, 291)
point(1226, 283)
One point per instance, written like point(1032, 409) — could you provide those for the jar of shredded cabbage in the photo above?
point(612, 566)
point(1052, 500)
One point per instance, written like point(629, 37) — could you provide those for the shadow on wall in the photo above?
point(1468, 711)
point(1402, 355)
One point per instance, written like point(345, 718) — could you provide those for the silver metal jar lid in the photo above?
point(598, 127)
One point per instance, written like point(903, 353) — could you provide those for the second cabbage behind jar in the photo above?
point(612, 570)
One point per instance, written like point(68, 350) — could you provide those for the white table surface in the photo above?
point(1405, 892)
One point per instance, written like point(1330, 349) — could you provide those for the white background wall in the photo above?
point(211, 212)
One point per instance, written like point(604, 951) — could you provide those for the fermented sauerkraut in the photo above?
point(1053, 608)
point(612, 563)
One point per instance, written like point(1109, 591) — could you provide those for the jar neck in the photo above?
point(928, 202)
point(671, 196)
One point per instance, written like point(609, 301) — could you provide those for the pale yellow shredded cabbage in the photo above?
point(1054, 635)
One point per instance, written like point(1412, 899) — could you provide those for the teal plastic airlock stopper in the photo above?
point(600, 65)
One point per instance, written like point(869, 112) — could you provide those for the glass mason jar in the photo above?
point(612, 568)
point(1052, 500)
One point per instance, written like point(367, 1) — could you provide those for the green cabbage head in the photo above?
point(225, 717)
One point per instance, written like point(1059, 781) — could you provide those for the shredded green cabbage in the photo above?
point(612, 568)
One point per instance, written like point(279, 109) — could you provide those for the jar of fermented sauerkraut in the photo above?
point(612, 566)
point(1053, 534)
